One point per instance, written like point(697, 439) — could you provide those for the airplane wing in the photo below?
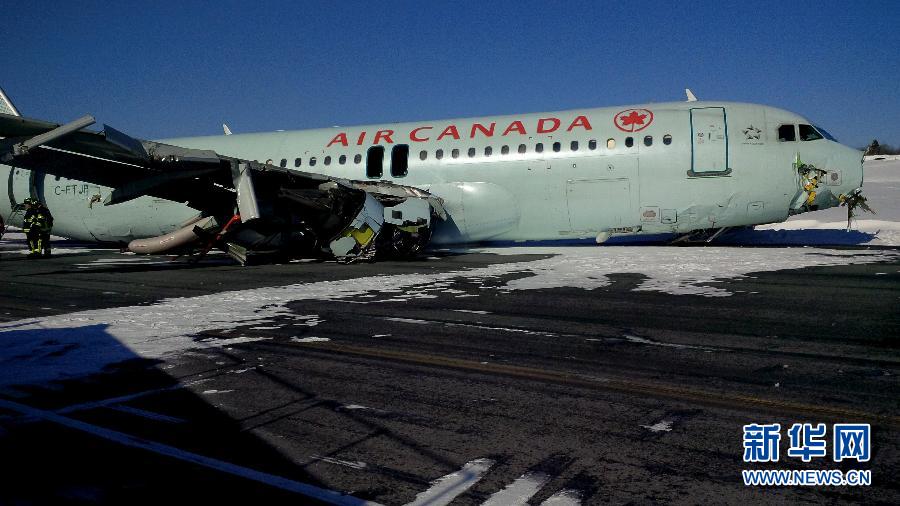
point(279, 211)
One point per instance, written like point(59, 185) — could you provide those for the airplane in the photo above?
point(690, 169)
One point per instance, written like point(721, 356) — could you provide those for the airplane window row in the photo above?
point(557, 147)
point(539, 147)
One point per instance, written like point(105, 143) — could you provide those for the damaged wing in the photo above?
point(267, 211)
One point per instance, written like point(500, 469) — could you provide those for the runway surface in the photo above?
point(578, 376)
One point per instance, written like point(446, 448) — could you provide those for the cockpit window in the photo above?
point(786, 133)
point(808, 133)
point(825, 133)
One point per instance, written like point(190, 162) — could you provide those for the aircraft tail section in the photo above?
point(6, 105)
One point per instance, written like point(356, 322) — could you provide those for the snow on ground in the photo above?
point(44, 349)
point(881, 186)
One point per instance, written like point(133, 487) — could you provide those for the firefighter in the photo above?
point(38, 222)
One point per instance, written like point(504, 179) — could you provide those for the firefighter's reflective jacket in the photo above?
point(38, 219)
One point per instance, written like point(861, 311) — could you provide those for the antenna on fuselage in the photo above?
point(690, 95)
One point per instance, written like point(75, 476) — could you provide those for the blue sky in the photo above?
point(165, 69)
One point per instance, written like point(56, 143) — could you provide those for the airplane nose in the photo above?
point(848, 162)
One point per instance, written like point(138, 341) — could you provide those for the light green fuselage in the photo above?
point(690, 166)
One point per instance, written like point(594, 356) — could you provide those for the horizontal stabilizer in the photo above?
point(6, 105)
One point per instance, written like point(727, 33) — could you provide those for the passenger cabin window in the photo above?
point(423, 155)
point(296, 162)
point(573, 145)
point(342, 160)
point(786, 133)
point(808, 133)
point(399, 160)
point(610, 144)
point(312, 162)
point(667, 139)
point(522, 148)
point(455, 153)
point(504, 150)
point(375, 161)
point(327, 160)
point(648, 140)
point(592, 144)
point(556, 147)
point(439, 154)
point(488, 151)
point(471, 152)
point(629, 142)
point(283, 162)
point(539, 147)
point(357, 159)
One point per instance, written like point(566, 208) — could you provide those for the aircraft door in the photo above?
point(709, 142)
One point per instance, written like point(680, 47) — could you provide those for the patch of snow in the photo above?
point(408, 320)
point(661, 426)
point(473, 311)
point(310, 339)
point(644, 340)
point(674, 270)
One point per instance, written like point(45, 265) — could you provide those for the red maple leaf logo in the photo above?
point(633, 119)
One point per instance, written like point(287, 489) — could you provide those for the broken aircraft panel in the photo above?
point(268, 212)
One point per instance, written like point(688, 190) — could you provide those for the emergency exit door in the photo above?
point(709, 142)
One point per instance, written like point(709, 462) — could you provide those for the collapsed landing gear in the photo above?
point(706, 236)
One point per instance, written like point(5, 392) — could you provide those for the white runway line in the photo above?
point(355, 464)
point(443, 490)
point(329, 496)
point(564, 498)
point(117, 400)
point(148, 414)
point(518, 492)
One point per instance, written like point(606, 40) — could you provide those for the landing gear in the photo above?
point(705, 236)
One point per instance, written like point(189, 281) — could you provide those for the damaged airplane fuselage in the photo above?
point(674, 168)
